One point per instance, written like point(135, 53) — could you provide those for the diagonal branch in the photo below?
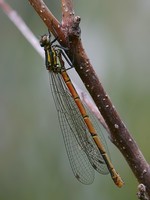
point(119, 133)
point(43, 11)
point(69, 35)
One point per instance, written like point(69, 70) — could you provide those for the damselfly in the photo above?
point(86, 150)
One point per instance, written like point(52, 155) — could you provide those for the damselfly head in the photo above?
point(45, 39)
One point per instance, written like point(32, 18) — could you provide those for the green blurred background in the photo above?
point(33, 161)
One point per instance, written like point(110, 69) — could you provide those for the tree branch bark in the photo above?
point(68, 33)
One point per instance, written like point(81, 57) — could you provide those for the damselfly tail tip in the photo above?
point(118, 181)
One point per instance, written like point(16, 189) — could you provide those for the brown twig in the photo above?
point(48, 18)
point(119, 134)
point(68, 34)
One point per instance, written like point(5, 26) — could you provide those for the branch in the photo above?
point(120, 135)
point(45, 15)
point(68, 34)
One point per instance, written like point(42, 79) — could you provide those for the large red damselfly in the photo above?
point(85, 148)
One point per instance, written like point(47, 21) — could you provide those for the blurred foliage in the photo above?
point(34, 164)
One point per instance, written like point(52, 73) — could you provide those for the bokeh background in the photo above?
point(33, 161)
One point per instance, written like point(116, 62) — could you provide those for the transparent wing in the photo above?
point(82, 151)
point(78, 159)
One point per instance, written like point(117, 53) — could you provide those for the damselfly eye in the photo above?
point(44, 40)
